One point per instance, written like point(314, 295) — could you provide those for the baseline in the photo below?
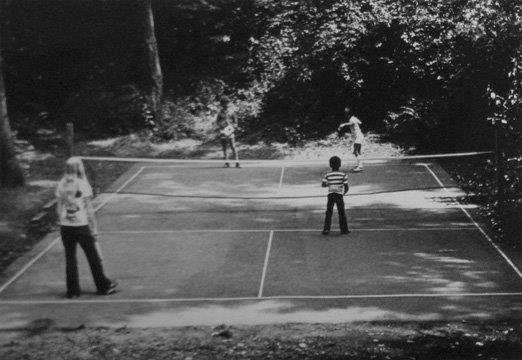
point(251, 298)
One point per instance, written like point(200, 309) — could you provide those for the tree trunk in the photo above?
point(154, 78)
point(11, 174)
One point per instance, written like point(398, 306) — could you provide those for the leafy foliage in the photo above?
point(436, 57)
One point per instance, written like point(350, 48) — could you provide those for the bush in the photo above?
point(102, 111)
point(193, 115)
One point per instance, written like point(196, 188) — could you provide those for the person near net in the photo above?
point(226, 123)
point(78, 226)
point(353, 125)
point(337, 183)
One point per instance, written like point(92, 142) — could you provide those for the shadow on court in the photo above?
point(244, 246)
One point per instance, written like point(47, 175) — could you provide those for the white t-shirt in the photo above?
point(356, 130)
point(73, 211)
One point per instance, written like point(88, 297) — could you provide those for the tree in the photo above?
point(153, 81)
point(11, 173)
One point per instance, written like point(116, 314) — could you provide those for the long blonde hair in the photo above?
point(74, 170)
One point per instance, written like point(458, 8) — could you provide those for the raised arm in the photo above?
point(342, 129)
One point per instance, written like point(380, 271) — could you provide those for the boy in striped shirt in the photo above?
point(337, 183)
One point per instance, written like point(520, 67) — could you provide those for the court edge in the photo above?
point(256, 298)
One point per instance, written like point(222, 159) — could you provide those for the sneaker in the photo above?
point(111, 289)
point(72, 296)
point(326, 232)
point(227, 165)
point(357, 169)
point(237, 165)
point(345, 232)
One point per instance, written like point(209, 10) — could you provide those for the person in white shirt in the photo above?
point(226, 123)
point(78, 226)
point(353, 125)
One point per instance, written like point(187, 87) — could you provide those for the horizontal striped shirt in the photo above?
point(335, 180)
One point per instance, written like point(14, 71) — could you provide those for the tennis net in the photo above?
point(474, 172)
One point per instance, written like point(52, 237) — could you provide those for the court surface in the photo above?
point(192, 243)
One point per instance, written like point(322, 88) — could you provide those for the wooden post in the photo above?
point(69, 139)
point(499, 160)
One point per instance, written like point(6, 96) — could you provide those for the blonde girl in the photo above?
point(78, 226)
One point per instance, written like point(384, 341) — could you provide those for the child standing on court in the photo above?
point(354, 125)
point(337, 183)
point(78, 226)
point(226, 123)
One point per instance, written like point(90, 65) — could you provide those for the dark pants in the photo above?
point(335, 199)
point(231, 143)
point(72, 235)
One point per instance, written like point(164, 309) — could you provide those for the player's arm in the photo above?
point(233, 120)
point(341, 130)
point(93, 224)
point(59, 207)
point(59, 204)
point(324, 182)
point(346, 188)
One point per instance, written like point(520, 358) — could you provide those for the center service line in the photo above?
point(281, 178)
point(265, 265)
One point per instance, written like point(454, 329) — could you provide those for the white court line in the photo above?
point(281, 178)
point(466, 227)
point(265, 265)
point(276, 161)
point(508, 260)
point(252, 298)
point(109, 198)
point(55, 241)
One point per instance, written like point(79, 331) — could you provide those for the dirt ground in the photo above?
point(390, 341)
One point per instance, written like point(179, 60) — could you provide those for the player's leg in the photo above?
point(328, 215)
point(224, 142)
point(232, 143)
point(357, 147)
point(343, 224)
point(88, 244)
point(71, 266)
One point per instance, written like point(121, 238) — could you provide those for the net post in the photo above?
point(69, 138)
point(499, 162)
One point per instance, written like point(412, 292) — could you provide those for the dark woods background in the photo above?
point(426, 73)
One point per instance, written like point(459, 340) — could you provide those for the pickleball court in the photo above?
point(191, 236)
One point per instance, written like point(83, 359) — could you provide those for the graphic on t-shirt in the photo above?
point(73, 194)
point(71, 211)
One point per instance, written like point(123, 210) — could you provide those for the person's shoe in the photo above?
point(345, 232)
point(357, 169)
point(237, 165)
point(111, 289)
point(326, 232)
point(227, 165)
point(72, 296)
